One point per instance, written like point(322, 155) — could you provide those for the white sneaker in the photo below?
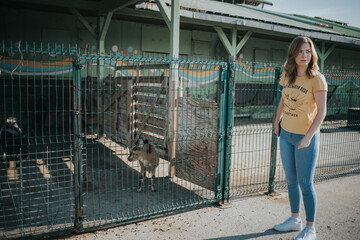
point(309, 233)
point(290, 224)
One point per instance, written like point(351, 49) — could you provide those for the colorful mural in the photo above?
point(254, 71)
point(195, 73)
point(341, 80)
point(35, 68)
point(264, 73)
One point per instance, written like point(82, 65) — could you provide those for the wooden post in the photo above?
point(100, 81)
point(131, 110)
point(323, 54)
point(174, 84)
point(103, 26)
point(172, 119)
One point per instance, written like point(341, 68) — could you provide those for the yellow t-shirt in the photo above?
point(300, 108)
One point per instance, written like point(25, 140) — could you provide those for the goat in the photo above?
point(12, 142)
point(149, 160)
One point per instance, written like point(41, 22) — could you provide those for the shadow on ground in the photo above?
point(268, 232)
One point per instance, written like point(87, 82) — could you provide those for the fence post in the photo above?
point(228, 126)
point(172, 123)
point(222, 129)
point(78, 171)
point(274, 139)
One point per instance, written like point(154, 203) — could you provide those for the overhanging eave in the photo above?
point(207, 19)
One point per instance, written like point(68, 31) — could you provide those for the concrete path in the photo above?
point(252, 218)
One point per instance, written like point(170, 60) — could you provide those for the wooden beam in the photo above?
point(100, 24)
point(79, 4)
point(103, 26)
point(232, 48)
point(323, 53)
point(106, 25)
point(330, 50)
point(317, 50)
point(174, 84)
point(84, 22)
point(243, 41)
point(320, 55)
point(223, 38)
point(115, 5)
point(165, 12)
point(175, 29)
point(233, 41)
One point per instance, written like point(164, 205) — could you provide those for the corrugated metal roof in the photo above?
point(321, 23)
point(339, 28)
point(283, 19)
point(260, 15)
point(248, 12)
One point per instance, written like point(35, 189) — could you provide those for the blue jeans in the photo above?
point(299, 166)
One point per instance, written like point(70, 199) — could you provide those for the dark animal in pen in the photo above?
point(149, 160)
point(12, 142)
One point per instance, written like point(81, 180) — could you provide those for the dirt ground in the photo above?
point(252, 217)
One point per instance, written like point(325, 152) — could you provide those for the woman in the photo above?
point(302, 109)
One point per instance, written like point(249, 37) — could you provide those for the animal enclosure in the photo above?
point(80, 126)
point(81, 113)
point(134, 100)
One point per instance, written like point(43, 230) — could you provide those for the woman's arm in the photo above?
point(320, 99)
point(279, 114)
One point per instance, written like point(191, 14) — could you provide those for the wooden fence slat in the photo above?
point(151, 99)
point(164, 83)
point(153, 120)
point(159, 110)
point(142, 79)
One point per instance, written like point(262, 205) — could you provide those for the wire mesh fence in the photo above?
point(253, 111)
point(255, 158)
point(340, 131)
point(129, 111)
point(80, 129)
point(36, 180)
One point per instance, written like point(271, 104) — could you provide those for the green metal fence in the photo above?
point(255, 158)
point(65, 163)
point(36, 183)
point(133, 103)
point(79, 114)
point(252, 132)
point(340, 133)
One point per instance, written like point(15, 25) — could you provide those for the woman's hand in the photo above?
point(304, 142)
point(320, 99)
point(278, 117)
point(277, 129)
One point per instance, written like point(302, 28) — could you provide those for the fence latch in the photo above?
point(77, 64)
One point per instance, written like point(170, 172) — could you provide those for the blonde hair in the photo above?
point(290, 64)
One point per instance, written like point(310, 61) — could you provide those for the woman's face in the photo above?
point(303, 57)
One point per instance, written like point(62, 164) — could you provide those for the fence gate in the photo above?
point(252, 109)
point(132, 103)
